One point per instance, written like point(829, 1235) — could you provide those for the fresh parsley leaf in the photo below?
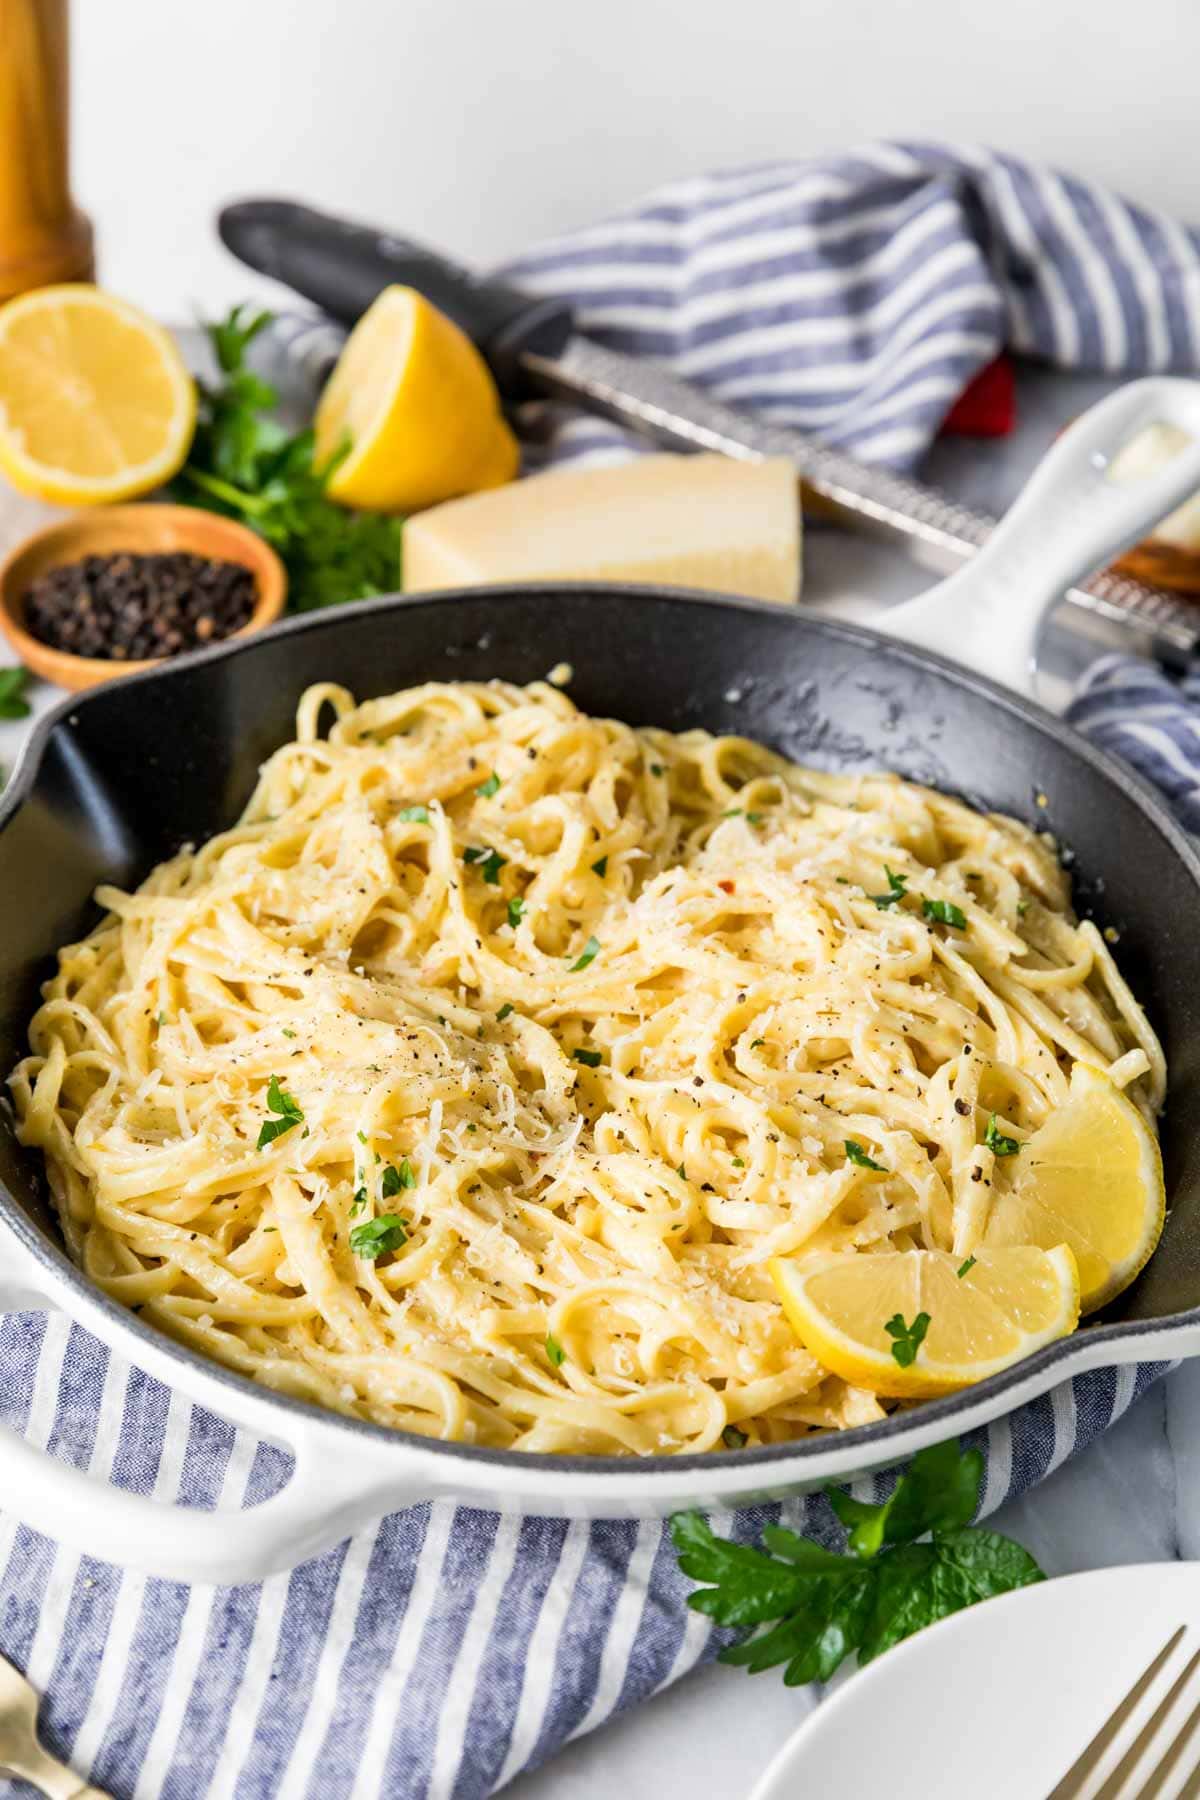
point(857, 1155)
point(285, 1107)
point(754, 818)
point(938, 1490)
point(487, 788)
point(657, 769)
point(395, 1179)
point(897, 888)
point(965, 1268)
point(907, 1339)
point(591, 1059)
point(555, 1351)
point(600, 866)
point(755, 1042)
point(414, 815)
point(997, 1142)
point(591, 951)
point(377, 1236)
point(505, 1010)
point(738, 1163)
point(681, 1171)
point(732, 1438)
point(244, 464)
point(808, 1608)
point(359, 1200)
point(516, 911)
point(13, 704)
point(944, 912)
point(490, 863)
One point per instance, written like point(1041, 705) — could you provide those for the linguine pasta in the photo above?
point(469, 1082)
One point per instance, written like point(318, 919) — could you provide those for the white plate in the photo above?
point(997, 1702)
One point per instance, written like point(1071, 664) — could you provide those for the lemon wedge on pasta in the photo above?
point(1090, 1177)
point(920, 1323)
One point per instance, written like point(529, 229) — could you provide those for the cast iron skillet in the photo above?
point(116, 780)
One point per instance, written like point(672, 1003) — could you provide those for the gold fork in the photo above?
point(1151, 1782)
point(20, 1752)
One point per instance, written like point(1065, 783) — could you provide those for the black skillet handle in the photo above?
point(342, 267)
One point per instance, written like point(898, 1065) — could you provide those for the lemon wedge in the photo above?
point(96, 403)
point(1090, 1177)
point(911, 1326)
point(414, 408)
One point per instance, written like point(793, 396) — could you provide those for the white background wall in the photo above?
point(484, 124)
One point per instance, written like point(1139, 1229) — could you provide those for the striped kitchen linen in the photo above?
point(444, 1650)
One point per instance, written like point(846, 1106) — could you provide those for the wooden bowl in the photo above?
point(146, 529)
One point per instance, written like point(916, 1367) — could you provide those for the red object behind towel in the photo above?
point(987, 406)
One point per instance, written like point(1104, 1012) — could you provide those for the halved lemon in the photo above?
point(1090, 1177)
point(860, 1315)
point(96, 403)
point(414, 408)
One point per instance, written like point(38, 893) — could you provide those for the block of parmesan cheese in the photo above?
point(695, 521)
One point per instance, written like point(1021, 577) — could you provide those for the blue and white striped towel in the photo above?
point(443, 1651)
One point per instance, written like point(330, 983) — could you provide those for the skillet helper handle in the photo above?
point(342, 267)
point(1071, 519)
point(331, 1492)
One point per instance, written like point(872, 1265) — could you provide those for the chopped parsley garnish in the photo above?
point(738, 1163)
point(732, 1438)
point(287, 1032)
point(734, 812)
point(657, 769)
point(897, 888)
point(755, 1042)
point(555, 1351)
point(504, 1010)
point(997, 1142)
point(490, 863)
point(792, 1601)
point(394, 1179)
point(359, 1200)
point(1022, 908)
point(600, 866)
point(377, 1236)
point(754, 818)
point(516, 911)
point(681, 1171)
point(965, 1268)
point(162, 1019)
point(944, 912)
point(591, 951)
point(487, 788)
point(287, 1111)
point(414, 815)
point(591, 1059)
point(858, 1156)
point(907, 1339)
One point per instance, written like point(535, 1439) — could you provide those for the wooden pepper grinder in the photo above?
point(43, 236)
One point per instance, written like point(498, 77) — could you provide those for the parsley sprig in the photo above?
point(244, 464)
point(287, 1112)
point(376, 1237)
point(897, 888)
point(808, 1608)
point(907, 1339)
point(998, 1142)
point(858, 1156)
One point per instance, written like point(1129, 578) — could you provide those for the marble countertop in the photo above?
point(1134, 1496)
